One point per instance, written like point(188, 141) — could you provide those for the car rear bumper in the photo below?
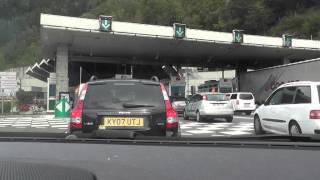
point(179, 109)
point(245, 108)
point(130, 133)
point(220, 113)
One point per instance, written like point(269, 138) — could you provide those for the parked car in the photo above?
point(243, 102)
point(133, 107)
point(209, 105)
point(178, 103)
point(293, 108)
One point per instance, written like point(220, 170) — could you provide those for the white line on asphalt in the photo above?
point(59, 126)
point(235, 132)
point(243, 117)
point(186, 134)
point(200, 132)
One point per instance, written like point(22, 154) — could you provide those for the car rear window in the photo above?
point(319, 92)
point(113, 95)
point(217, 97)
point(177, 99)
point(246, 96)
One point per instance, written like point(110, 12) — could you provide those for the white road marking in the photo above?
point(235, 132)
point(200, 132)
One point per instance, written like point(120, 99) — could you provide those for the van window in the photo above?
point(319, 92)
point(288, 95)
point(275, 98)
point(303, 95)
point(217, 97)
point(233, 96)
point(246, 96)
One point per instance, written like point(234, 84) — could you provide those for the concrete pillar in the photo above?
point(62, 78)
point(240, 69)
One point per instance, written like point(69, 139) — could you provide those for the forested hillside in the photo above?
point(19, 19)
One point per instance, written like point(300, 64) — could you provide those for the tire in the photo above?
point(294, 128)
point(257, 126)
point(185, 115)
point(198, 117)
point(229, 119)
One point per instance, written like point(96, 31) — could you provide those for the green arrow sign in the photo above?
point(105, 23)
point(62, 109)
point(237, 36)
point(286, 40)
point(179, 30)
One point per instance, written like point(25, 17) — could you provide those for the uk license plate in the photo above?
point(109, 122)
point(247, 105)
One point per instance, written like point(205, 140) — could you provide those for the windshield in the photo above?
point(173, 99)
point(159, 68)
point(217, 97)
point(246, 96)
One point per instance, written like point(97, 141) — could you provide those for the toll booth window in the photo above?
point(52, 90)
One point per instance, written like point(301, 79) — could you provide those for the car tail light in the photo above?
point(315, 114)
point(205, 97)
point(171, 114)
point(237, 102)
point(76, 114)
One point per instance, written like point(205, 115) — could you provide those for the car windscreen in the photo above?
point(173, 99)
point(246, 96)
point(216, 97)
point(318, 92)
point(117, 95)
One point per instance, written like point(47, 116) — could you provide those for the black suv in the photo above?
point(128, 107)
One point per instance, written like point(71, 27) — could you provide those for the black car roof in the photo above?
point(102, 81)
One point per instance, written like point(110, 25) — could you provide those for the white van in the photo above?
point(243, 102)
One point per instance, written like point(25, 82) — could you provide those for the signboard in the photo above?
point(105, 23)
point(179, 30)
point(8, 83)
point(286, 40)
point(65, 95)
point(237, 36)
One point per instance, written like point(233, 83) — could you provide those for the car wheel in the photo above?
point(257, 126)
point(198, 117)
point(229, 119)
point(185, 115)
point(294, 129)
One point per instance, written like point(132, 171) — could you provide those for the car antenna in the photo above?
point(93, 78)
point(155, 78)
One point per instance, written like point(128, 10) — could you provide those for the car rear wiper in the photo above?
point(128, 105)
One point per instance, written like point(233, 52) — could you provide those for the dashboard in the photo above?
point(136, 162)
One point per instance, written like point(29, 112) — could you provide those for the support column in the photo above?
point(240, 69)
point(62, 62)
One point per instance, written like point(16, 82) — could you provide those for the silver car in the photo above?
point(209, 105)
point(178, 103)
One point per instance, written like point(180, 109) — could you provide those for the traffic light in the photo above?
point(286, 40)
point(105, 23)
point(237, 36)
point(179, 30)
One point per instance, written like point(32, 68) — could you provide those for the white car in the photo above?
point(293, 108)
point(243, 102)
point(208, 105)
